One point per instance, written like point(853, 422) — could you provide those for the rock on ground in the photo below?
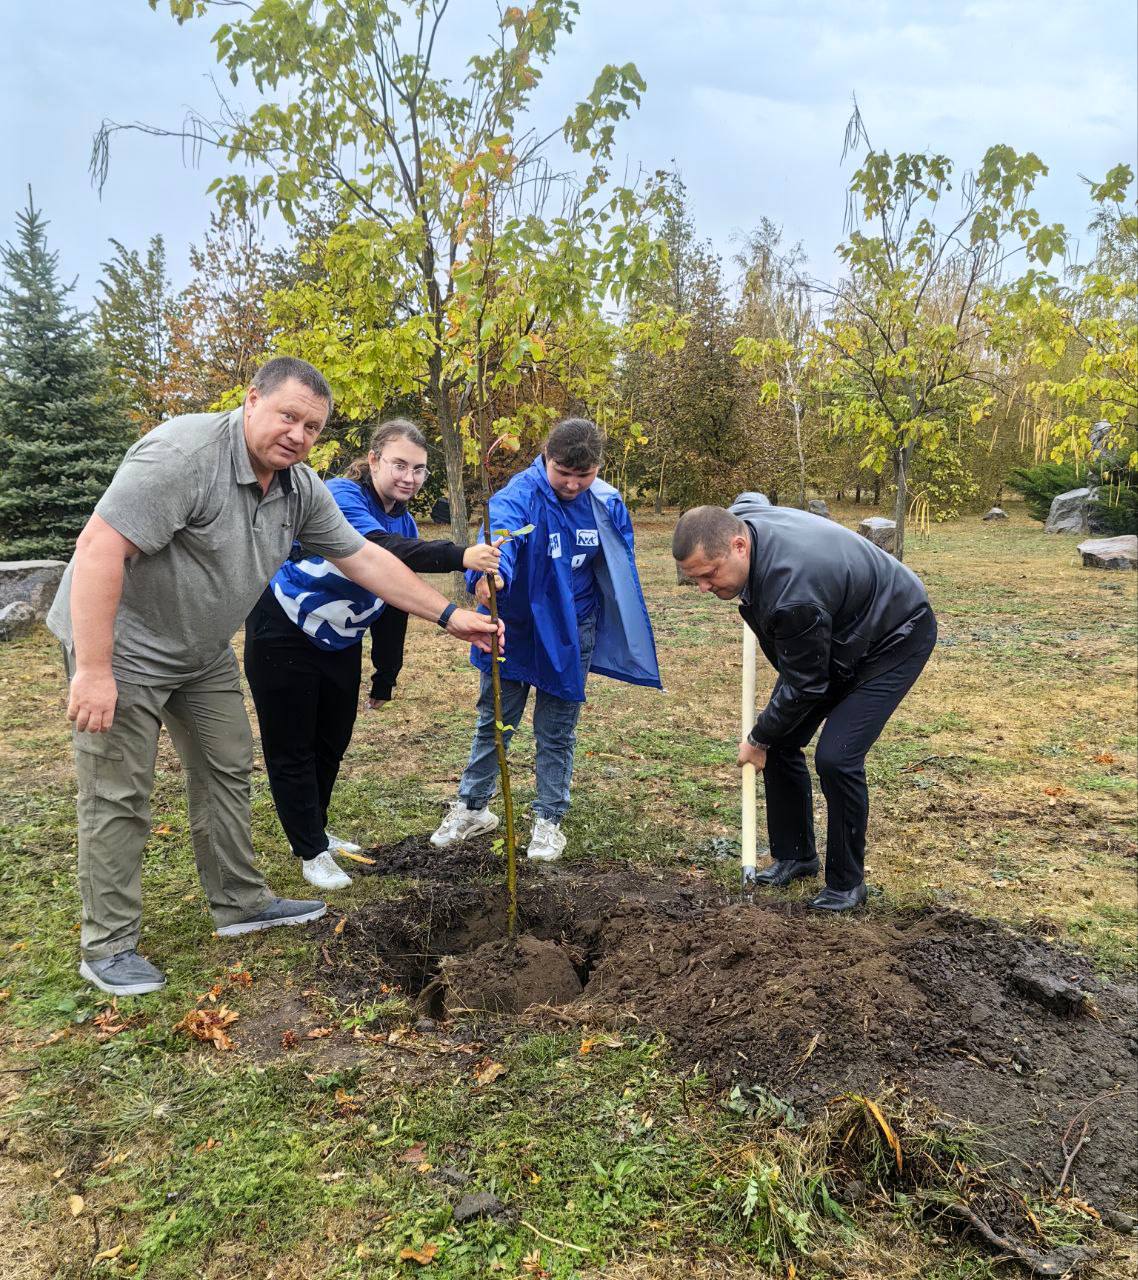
point(1068, 512)
point(817, 507)
point(1110, 553)
point(15, 619)
point(880, 531)
point(35, 581)
point(996, 513)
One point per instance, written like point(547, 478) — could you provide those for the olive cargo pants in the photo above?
point(207, 723)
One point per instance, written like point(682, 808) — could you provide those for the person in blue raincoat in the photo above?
point(571, 599)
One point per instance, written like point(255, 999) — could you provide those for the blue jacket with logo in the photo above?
point(537, 601)
point(331, 610)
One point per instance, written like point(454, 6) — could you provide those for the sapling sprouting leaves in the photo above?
point(508, 444)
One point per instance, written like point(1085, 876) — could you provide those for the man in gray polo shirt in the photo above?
point(199, 516)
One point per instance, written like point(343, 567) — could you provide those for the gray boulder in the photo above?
point(15, 619)
point(1110, 553)
point(34, 581)
point(1068, 512)
point(996, 513)
point(817, 507)
point(881, 532)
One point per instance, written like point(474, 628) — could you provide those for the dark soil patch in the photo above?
point(508, 977)
point(943, 1006)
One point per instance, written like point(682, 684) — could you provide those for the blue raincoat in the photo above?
point(537, 601)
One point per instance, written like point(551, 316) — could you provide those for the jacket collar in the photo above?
point(398, 509)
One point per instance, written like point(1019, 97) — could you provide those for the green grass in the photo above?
point(990, 790)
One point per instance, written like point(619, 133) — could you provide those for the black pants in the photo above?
point(306, 700)
point(855, 717)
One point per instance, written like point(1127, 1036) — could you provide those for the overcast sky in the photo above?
point(747, 98)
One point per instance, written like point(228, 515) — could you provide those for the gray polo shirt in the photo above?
point(187, 497)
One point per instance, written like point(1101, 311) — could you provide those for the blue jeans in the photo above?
point(554, 728)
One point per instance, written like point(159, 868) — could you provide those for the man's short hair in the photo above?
point(709, 528)
point(575, 443)
point(274, 373)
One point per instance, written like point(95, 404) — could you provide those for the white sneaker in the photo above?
point(323, 872)
point(461, 823)
point(336, 845)
point(547, 842)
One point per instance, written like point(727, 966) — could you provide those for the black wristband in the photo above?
point(444, 617)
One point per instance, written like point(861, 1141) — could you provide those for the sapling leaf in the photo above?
point(503, 728)
point(520, 533)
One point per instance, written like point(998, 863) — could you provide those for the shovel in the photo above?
point(749, 835)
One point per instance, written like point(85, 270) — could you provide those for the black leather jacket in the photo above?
point(827, 607)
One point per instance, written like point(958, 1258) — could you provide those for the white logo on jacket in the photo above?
point(555, 546)
point(588, 538)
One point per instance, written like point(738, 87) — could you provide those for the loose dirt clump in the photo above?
point(508, 977)
point(1009, 1034)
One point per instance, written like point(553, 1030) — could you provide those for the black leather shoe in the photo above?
point(784, 871)
point(839, 899)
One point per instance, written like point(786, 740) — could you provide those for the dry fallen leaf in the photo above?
point(490, 1072)
point(414, 1155)
point(6, 994)
point(589, 1043)
point(106, 1255)
point(346, 1105)
point(290, 1039)
point(162, 829)
point(241, 978)
point(424, 1256)
point(1104, 757)
point(76, 1205)
point(110, 1021)
point(343, 920)
point(207, 1145)
point(209, 1025)
point(318, 1033)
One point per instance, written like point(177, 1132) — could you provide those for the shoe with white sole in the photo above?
point(323, 872)
point(280, 911)
point(336, 845)
point(547, 842)
point(461, 823)
point(127, 974)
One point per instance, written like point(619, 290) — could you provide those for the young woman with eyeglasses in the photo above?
point(304, 638)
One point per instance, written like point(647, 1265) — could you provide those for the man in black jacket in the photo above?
point(848, 629)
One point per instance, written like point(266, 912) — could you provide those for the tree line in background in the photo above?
point(450, 261)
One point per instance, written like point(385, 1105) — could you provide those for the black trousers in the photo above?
point(306, 700)
point(855, 717)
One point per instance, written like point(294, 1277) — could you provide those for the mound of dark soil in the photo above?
point(1007, 1033)
point(508, 977)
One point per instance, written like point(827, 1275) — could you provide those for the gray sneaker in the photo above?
point(279, 911)
point(127, 974)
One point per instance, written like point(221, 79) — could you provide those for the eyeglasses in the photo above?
point(401, 469)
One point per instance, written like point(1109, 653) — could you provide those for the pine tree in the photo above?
point(62, 433)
